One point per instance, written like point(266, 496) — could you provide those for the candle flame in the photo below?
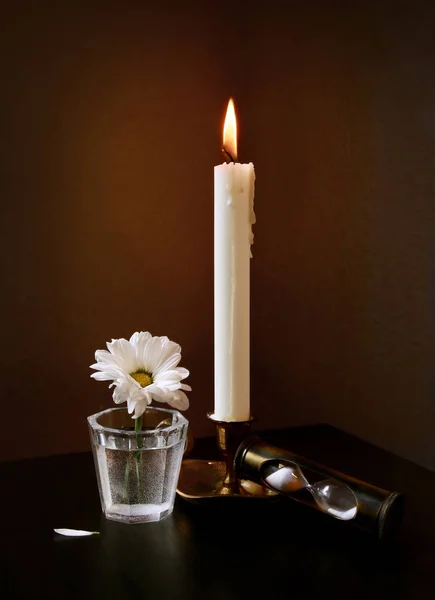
point(230, 131)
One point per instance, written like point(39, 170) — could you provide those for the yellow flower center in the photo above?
point(142, 378)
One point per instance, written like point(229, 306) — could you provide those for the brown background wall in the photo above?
point(111, 127)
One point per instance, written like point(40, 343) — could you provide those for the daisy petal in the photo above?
point(121, 392)
point(178, 400)
point(105, 357)
point(103, 376)
point(140, 407)
point(140, 342)
point(185, 387)
point(168, 351)
point(182, 372)
point(153, 350)
point(125, 352)
point(76, 532)
point(171, 376)
point(173, 347)
point(154, 389)
point(162, 397)
point(172, 386)
point(102, 355)
point(107, 368)
point(169, 361)
point(134, 338)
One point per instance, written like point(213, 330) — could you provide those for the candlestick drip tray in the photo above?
point(201, 480)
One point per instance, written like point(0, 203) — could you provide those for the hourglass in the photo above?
point(336, 494)
point(331, 496)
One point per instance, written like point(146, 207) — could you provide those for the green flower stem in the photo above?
point(138, 425)
point(126, 478)
point(138, 457)
point(138, 460)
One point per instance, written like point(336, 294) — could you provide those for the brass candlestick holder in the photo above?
point(205, 479)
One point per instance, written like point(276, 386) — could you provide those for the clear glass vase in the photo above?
point(137, 471)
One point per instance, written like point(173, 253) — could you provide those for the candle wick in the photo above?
point(228, 155)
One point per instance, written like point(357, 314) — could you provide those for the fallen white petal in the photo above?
point(76, 532)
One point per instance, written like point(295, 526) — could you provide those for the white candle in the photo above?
point(233, 219)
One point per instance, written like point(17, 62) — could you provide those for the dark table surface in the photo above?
point(227, 549)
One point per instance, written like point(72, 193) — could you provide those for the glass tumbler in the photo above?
point(137, 471)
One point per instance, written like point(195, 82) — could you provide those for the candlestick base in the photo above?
point(204, 479)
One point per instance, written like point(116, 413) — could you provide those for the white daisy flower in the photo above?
point(143, 369)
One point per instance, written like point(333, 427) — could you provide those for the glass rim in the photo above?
point(92, 420)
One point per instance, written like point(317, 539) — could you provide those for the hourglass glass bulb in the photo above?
point(331, 496)
point(285, 478)
point(335, 499)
